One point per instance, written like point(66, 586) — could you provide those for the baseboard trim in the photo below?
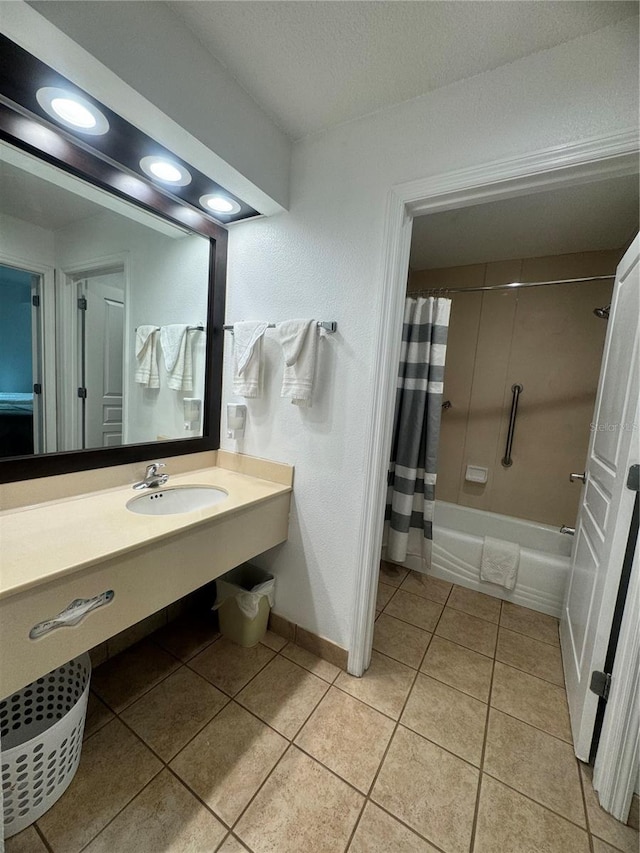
point(319, 646)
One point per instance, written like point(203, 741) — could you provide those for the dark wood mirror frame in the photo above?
point(62, 150)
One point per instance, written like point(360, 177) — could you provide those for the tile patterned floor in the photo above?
point(457, 740)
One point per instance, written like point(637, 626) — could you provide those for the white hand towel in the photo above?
point(247, 357)
point(147, 357)
point(500, 562)
point(171, 341)
point(176, 342)
point(299, 342)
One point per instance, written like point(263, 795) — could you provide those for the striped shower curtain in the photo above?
point(416, 431)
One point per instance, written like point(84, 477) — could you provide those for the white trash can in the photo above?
point(41, 728)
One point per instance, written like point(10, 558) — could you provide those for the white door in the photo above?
point(606, 507)
point(104, 334)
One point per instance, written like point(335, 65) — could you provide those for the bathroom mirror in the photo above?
point(110, 324)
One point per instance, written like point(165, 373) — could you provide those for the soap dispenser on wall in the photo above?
point(236, 420)
point(192, 406)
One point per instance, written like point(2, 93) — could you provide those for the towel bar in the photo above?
point(329, 326)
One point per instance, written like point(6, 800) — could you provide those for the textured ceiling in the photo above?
point(312, 65)
point(591, 217)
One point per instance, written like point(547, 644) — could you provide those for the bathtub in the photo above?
point(545, 555)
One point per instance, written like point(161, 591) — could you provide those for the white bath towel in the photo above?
point(299, 342)
point(500, 562)
point(147, 357)
point(176, 342)
point(247, 357)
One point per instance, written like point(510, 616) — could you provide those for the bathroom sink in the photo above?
point(176, 500)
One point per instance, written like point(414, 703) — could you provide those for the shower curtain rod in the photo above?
point(514, 285)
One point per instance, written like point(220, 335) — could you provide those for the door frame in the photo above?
point(561, 166)
point(69, 417)
point(616, 764)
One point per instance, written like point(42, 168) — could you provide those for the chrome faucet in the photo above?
point(151, 478)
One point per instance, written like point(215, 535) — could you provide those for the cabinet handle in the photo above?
point(73, 614)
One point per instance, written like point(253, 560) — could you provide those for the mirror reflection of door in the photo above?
point(20, 362)
point(101, 319)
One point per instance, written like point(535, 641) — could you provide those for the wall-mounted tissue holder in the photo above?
point(236, 419)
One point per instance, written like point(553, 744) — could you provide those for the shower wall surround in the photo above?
point(548, 340)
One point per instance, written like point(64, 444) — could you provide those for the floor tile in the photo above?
point(599, 846)
point(126, 677)
point(378, 832)
point(301, 807)
point(275, 642)
point(163, 817)
point(459, 667)
point(283, 695)
point(392, 574)
point(97, 715)
point(322, 668)
point(228, 761)
point(399, 640)
point(385, 592)
point(173, 712)
point(534, 763)
point(188, 635)
point(604, 825)
point(427, 586)
point(421, 612)
point(540, 626)
point(469, 631)
point(429, 789)
point(447, 717)
point(231, 845)
point(27, 841)
point(384, 686)
point(475, 603)
point(511, 823)
point(114, 767)
point(532, 700)
point(348, 737)
point(228, 666)
point(532, 656)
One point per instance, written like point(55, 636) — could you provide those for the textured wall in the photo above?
point(323, 259)
point(548, 340)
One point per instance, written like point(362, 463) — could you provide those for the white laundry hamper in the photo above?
point(41, 729)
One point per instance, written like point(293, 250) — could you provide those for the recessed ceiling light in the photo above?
point(167, 171)
point(220, 204)
point(72, 111)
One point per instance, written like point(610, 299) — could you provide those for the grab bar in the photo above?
point(516, 390)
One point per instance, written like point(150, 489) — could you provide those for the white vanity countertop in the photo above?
point(42, 542)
